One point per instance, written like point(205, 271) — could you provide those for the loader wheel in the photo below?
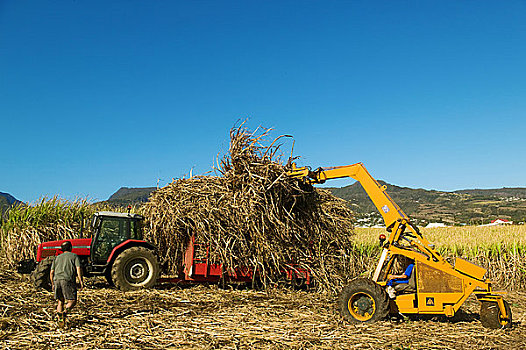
point(40, 276)
point(135, 268)
point(362, 300)
point(490, 315)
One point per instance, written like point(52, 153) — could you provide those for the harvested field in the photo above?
point(202, 317)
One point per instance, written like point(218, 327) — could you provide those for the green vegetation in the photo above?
point(25, 226)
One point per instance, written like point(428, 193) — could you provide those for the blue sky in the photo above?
point(95, 95)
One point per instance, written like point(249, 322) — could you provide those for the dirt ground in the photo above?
point(206, 317)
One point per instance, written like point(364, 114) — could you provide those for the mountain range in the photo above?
point(472, 206)
point(6, 201)
point(126, 196)
point(476, 206)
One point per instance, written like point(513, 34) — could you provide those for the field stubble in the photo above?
point(206, 317)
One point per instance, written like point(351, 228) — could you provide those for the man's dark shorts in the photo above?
point(65, 290)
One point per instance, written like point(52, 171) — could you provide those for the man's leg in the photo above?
point(61, 314)
point(391, 292)
point(403, 287)
point(70, 304)
point(70, 294)
point(60, 305)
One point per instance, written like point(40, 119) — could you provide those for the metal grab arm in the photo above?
point(389, 210)
point(394, 217)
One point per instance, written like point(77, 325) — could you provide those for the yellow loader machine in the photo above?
point(434, 286)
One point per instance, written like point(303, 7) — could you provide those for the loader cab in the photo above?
point(111, 229)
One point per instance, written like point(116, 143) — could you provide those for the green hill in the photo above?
point(458, 207)
point(505, 192)
point(129, 196)
point(6, 201)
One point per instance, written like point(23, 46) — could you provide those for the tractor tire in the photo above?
point(490, 315)
point(40, 276)
point(107, 276)
point(135, 268)
point(363, 301)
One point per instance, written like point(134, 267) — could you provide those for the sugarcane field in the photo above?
point(254, 255)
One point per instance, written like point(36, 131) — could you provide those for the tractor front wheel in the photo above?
point(135, 268)
point(491, 317)
point(40, 276)
point(362, 300)
point(107, 276)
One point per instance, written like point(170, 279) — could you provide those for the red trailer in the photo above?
point(118, 251)
point(197, 268)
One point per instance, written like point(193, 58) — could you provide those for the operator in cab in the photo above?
point(65, 271)
point(402, 282)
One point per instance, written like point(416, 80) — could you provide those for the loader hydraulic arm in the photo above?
point(389, 210)
point(396, 221)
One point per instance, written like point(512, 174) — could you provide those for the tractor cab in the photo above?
point(111, 229)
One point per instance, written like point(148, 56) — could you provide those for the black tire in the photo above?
point(298, 283)
point(40, 276)
point(135, 268)
point(490, 315)
point(362, 300)
point(107, 275)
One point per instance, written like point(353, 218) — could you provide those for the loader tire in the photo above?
point(490, 315)
point(40, 275)
point(362, 300)
point(135, 268)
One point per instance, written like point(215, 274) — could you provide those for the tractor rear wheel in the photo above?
point(40, 276)
point(490, 315)
point(362, 300)
point(135, 268)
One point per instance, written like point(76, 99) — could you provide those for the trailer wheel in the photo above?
point(40, 276)
point(362, 300)
point(490, 315)
point(298, 282)
point(135, 268)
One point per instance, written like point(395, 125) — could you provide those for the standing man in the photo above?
point(65, 271)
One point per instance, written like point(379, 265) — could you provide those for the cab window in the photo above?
point(135, 229)
point(113, 231)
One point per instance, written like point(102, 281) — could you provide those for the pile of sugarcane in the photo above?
point(253, 215)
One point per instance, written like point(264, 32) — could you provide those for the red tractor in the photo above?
point(118, 252)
